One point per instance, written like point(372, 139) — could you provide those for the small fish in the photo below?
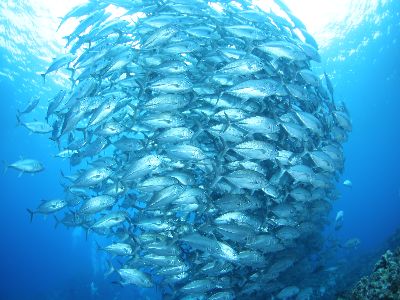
point(352, 243)
point(93, 289)
point(55, 103)
point(159, 37)
point(329, 85)
point(97, 204)
point(348, 183)
point(26, 166)
point(172, 84)
point(31, 106)
point(121, 249)
point(92, 177)
point(106, 222)
point(260, 88)
point(57, 64)
point(339, 220)
point(48, 207)
point(288, 292)
point(66, 153)
point(135, 277)
point(38, 127)
point(244, 66)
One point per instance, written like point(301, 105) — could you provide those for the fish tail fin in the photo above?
point(98, 246)
point(217, 172)
point(73, 82)
point(30, 214)
point(68, 38)
point(120, 33)
point(62, 174)
point(198, 131)
point(141, 88)
point(57, 222)
point(117, 283)
point(18, 116)
point(87, 232)
point(224, 150)
point(120, 263)
point(61, 23)
point(158, 287)
point(228, 122)
point(72, 70)
point(44, 77)
point(88, 136)
point(5, 166)
point(110, 269)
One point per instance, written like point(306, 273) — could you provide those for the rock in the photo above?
point(384, 281)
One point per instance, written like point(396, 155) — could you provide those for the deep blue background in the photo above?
point(40, 262)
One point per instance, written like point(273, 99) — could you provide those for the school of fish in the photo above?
point(202, 145)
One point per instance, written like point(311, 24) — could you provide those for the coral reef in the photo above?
point(384, 282)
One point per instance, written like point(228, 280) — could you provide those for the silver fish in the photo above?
point(26, 166)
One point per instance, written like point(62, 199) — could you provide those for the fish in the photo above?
point(92, 177)
point(339, 220)
point(26, 166)
point(247, 179)
point(121, 249)
point(198, 286)
point(160, 36)
point(108, 221)
point(172, 84)
point(66, 153)
point(243, 66)
point(204, 147)
point(352, 243)
point(283, 49)
point(259, 88)
point(135, 277)
point(48, 207)
point(38, 127)
point(288, 292)
point(186, 152)
point(78, 11)
point(31, 106)
point(97, 204)
point(57, 64)
point(329, 85)
point(347, 183)
point(55, 103)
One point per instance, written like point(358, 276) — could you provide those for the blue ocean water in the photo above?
point(362, 56)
